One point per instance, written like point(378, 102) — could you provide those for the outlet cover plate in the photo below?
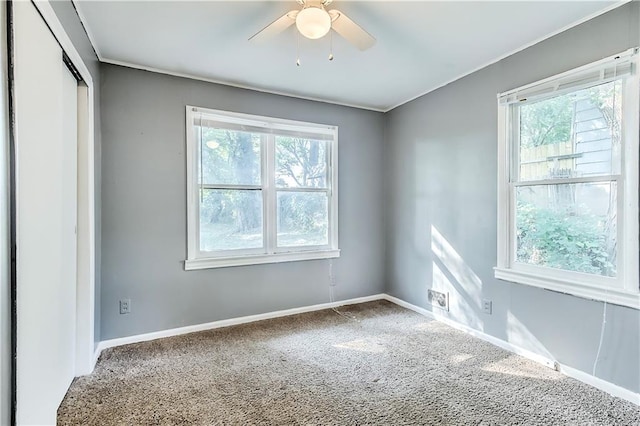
point(125, 306)
point(487, 306)
point(439, 299)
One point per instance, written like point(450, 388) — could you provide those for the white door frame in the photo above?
point(5, 234)
point(85, 350)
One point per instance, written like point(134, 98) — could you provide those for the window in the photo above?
point(568, 182)
point(260, 190)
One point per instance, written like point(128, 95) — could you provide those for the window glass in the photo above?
point(568, 226)
point(230, 219)
point(302, 219)
point(573, 135)
point(301, 162)
point(229, 157)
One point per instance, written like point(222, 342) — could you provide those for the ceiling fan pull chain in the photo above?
point(297, 48)
point(330, 45)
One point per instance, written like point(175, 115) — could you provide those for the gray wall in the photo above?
point(66, 13)
point(441, 169)
point(144, 208)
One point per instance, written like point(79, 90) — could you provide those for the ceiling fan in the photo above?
point(313, 21)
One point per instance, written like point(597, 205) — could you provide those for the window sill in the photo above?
point(614, 296)
point(245, 260)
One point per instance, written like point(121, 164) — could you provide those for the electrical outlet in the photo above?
point(487, 306)
point(125, 306)
point(439, 299)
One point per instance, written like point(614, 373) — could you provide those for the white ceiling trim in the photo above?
point(519, 49)
point(87, 30)
point(383, 110)
point(240, 86)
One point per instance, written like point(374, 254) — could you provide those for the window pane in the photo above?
point(301, 162)
point(568, 226)
point(229, 157)
point(302, 219)
point(230, 219)
point(573, 135)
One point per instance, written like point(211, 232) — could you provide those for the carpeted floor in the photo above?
point(390, 367)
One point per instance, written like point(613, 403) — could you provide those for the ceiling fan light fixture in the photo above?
point(313, 22)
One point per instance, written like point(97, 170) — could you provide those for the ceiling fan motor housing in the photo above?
point(313, 21)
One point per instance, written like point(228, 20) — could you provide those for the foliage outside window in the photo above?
point(261, 190)
point(568, 185)
point(575, 135)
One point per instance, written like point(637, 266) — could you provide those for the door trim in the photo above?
point(8, 11)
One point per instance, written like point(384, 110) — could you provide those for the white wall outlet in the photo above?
point(487, 306)
point(439, 299)
point(125, 306)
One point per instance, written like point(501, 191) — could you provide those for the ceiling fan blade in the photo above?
point(276, 27)
point(351, 31)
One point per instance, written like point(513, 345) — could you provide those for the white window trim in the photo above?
point(623, 290)
point(197, 259)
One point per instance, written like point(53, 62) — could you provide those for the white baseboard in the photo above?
point(603, 385)
point(105, 344)
point(96, 355)
point(587, 378)
point(541, 359)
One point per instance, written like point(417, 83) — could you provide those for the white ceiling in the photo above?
point(421, 45)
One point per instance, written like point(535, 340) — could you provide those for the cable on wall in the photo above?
point(604, 308)
point(332, 299)
point(602, 328)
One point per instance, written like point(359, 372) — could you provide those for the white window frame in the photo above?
point(625, 288)
point(269, 253)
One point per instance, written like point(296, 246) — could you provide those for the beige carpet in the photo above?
point(390, 367)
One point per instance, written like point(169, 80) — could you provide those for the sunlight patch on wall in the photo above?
point(456, 265)
point(519, 335)
point(466, 286)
